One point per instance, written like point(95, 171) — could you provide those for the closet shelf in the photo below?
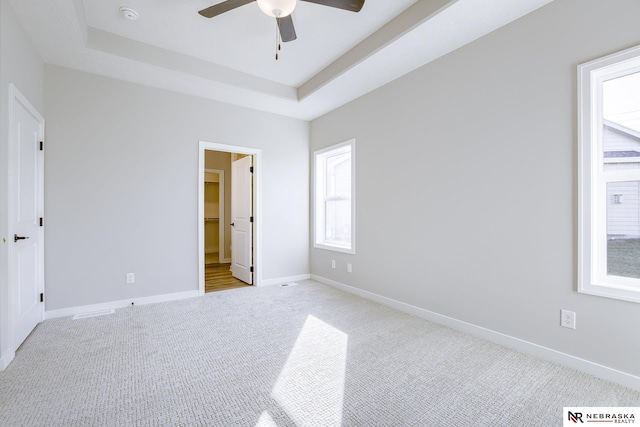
point(212, 219)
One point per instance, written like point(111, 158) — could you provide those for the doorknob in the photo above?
point(233, 224)
point(16, 237)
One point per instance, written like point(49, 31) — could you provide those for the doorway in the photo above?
point(228, 216)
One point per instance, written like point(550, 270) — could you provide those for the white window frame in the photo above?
point(319, 187)
point(592, 180)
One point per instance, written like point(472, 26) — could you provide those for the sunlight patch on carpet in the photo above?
point(266, 420)
point(310, 387)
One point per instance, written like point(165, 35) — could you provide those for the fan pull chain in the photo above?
point(277, 39)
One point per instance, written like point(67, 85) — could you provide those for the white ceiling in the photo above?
point(337, 57)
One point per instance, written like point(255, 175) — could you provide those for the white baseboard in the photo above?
point(269, 282)
point(595, 369)
point(72, 311)
point(6, 358)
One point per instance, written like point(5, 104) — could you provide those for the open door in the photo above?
point(242, 219)
point(26, 239)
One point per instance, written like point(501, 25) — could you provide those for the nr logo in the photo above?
point(575, 417)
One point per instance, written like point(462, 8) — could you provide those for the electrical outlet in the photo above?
point(349, 269)
point(131, 278)
point(333, 263)
point(568, 319)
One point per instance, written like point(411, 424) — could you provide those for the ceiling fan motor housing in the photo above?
point(277, 8)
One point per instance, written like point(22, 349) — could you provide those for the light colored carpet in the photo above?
point(305, 355)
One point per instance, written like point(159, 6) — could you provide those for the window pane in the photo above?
point(609, 219)
point(334, 202)
point(621, 122)
point(623, 229)
point(338, 221)
point(338, 175)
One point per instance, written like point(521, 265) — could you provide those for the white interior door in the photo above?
point(27, 254)
point(241, 214)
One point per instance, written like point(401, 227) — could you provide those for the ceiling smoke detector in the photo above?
point(129, 13)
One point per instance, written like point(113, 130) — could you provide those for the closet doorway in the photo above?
point(228, 214)
point(217, 266)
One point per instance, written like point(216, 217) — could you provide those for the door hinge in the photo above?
point(251, 169)
point(41, 297)
point(41, 222)
point(251, 219)
point(251, 269)
point(41, 145)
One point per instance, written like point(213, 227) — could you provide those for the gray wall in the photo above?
point(121, 187)
point(20, 65)
point(467, 188)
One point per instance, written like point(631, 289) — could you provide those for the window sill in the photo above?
point(623, 293)
point(334, 248)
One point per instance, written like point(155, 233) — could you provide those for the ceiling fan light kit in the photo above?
point(277, 8)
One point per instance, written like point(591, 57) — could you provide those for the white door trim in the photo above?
point(221, 208)
point(257, 206)
point(17, 96)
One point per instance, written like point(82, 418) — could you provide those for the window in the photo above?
point(609, 176)
point(334, 221)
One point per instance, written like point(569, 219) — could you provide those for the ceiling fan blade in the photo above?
point(350, 5)
point(287, 31)
point(223, 7)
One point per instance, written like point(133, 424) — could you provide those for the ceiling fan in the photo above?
point(281, 10)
